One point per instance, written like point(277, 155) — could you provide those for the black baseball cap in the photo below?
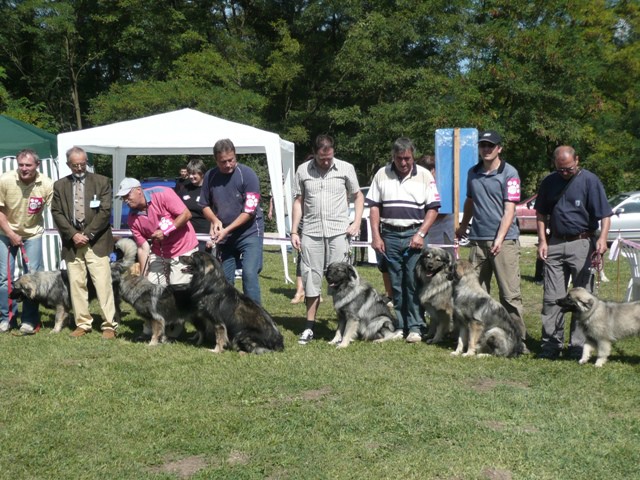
point(490, 136)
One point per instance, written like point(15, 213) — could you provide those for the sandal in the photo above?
point(298, 298)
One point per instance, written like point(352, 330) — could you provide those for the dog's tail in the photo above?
point(129, 249)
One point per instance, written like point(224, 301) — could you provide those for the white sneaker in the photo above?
point(306, 337)
point(4, 326)
point(26, 329)
point(414, 337)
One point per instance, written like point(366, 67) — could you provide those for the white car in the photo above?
point(626, 216)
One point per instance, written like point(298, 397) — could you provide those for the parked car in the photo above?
point(146, 183)
point(626, 216)
point(526, 215)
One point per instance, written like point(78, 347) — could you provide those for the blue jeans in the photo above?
point(33, 247)
point(401, 263)
point(248, 252)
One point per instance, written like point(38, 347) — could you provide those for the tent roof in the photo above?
point(16, 135)
point(184, 131)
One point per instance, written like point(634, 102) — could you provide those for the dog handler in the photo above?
point(23, 195)
point(158, 215)
point(570, 203)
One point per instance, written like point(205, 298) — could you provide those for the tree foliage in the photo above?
point(543, 72)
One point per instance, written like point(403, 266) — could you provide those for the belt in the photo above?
point(393, 228)
point(573, 238)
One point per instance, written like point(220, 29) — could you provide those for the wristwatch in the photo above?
point(421, 234)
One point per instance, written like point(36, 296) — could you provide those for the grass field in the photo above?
point(87, 408)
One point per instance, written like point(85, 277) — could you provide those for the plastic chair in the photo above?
point(633, 256)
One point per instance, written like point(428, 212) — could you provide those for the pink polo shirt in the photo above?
point(163, 206)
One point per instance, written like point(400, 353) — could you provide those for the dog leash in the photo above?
point(596, 269)
point(25, 265)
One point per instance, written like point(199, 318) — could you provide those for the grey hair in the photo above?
point(28, 152)
point(564, 148)
point(196, 165)
point(224, 145)
point(402, 144)
point(73, 150)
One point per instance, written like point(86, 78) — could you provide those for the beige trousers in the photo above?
point(100, 271)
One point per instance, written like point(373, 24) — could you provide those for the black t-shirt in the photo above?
point(190, 195)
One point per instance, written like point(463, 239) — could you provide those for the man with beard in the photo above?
point(23, 195)
point(81, 208)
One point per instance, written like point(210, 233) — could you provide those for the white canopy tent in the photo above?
point(191, 132)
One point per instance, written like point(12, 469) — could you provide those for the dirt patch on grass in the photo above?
point(183, 468)
point(318, 394)
point(238, 458)
point(487, 384)
point(496, 474)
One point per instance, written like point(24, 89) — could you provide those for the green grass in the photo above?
point(86, 408)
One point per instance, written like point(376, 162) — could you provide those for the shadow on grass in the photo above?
point(322, 329)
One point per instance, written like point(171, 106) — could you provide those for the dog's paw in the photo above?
point(582, 361)
point(471, 353)
point(600, 362)
point(455, 353)
point(335, 341)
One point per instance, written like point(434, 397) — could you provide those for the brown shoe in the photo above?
point(78, 332)
point(108, 334)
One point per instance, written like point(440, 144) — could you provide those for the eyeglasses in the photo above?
point(566, 169)
point(77, 166)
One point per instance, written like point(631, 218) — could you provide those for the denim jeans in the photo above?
point(401, 263)
point(33, 247)
point(248, 251)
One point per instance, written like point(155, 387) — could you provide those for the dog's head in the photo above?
point(22, 288)
point(431, 262)
point(339, 274)
point(202, 266)
point(461, 269)
point(577, 300)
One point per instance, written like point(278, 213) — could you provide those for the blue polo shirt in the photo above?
point(579, 208)
point(489, 192)
point(229, 195)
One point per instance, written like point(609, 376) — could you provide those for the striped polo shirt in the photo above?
point(24, 204)
point(325, 197)
point(403, 202)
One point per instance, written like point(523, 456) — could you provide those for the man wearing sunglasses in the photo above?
point(570, 203)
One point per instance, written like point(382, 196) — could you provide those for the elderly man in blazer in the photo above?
point(81, 208)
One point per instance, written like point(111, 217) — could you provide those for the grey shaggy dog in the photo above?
point(361, 310)
point(51, 289)
point(602, 322)
point(222, 312)
point(435, 291)
point(155, 304)
point(485, 325)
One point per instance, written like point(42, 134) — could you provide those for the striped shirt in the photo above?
point(403, 202)
point(325, 197)
point(23, 204)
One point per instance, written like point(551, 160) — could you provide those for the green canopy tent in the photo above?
point(16, 135)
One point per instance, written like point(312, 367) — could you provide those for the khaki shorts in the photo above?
point(159, 267)
point(317, 254)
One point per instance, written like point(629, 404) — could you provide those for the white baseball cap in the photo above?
point(126, 185)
